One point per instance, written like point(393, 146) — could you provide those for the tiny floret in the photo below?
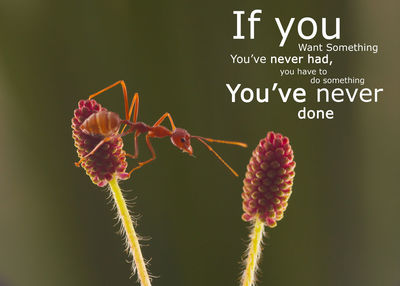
point(109, 159)
point(269, 178)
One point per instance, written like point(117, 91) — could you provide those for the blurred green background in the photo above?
point(341, 227)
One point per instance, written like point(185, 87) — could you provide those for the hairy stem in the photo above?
point(253, 254)
point(131, 237)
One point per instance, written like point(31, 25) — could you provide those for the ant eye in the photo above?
point(183, 140)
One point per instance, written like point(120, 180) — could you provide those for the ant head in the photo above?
point(181, 139)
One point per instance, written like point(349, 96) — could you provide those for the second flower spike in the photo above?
point(269, 179)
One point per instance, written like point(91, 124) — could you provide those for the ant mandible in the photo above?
point(108, 123)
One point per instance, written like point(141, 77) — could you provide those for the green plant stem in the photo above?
point(131, 237)
point(253, 254)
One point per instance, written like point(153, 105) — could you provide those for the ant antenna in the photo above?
point(201, 139)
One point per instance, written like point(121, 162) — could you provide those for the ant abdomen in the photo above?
point(104, 123)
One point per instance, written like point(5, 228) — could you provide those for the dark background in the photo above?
point(56, 227)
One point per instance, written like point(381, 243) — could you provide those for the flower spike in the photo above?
point(106, 166)
point(266, 191)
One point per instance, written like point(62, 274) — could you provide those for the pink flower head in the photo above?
point(109, 159)
point(269, 179)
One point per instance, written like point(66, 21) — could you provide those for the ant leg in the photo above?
point(135, 103)
point(123, 90)
point(136, 148)
point(162, 119)
point(136, 145)
point(106, 139)
point(141, 164)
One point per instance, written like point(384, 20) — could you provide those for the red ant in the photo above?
point(107, 124)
